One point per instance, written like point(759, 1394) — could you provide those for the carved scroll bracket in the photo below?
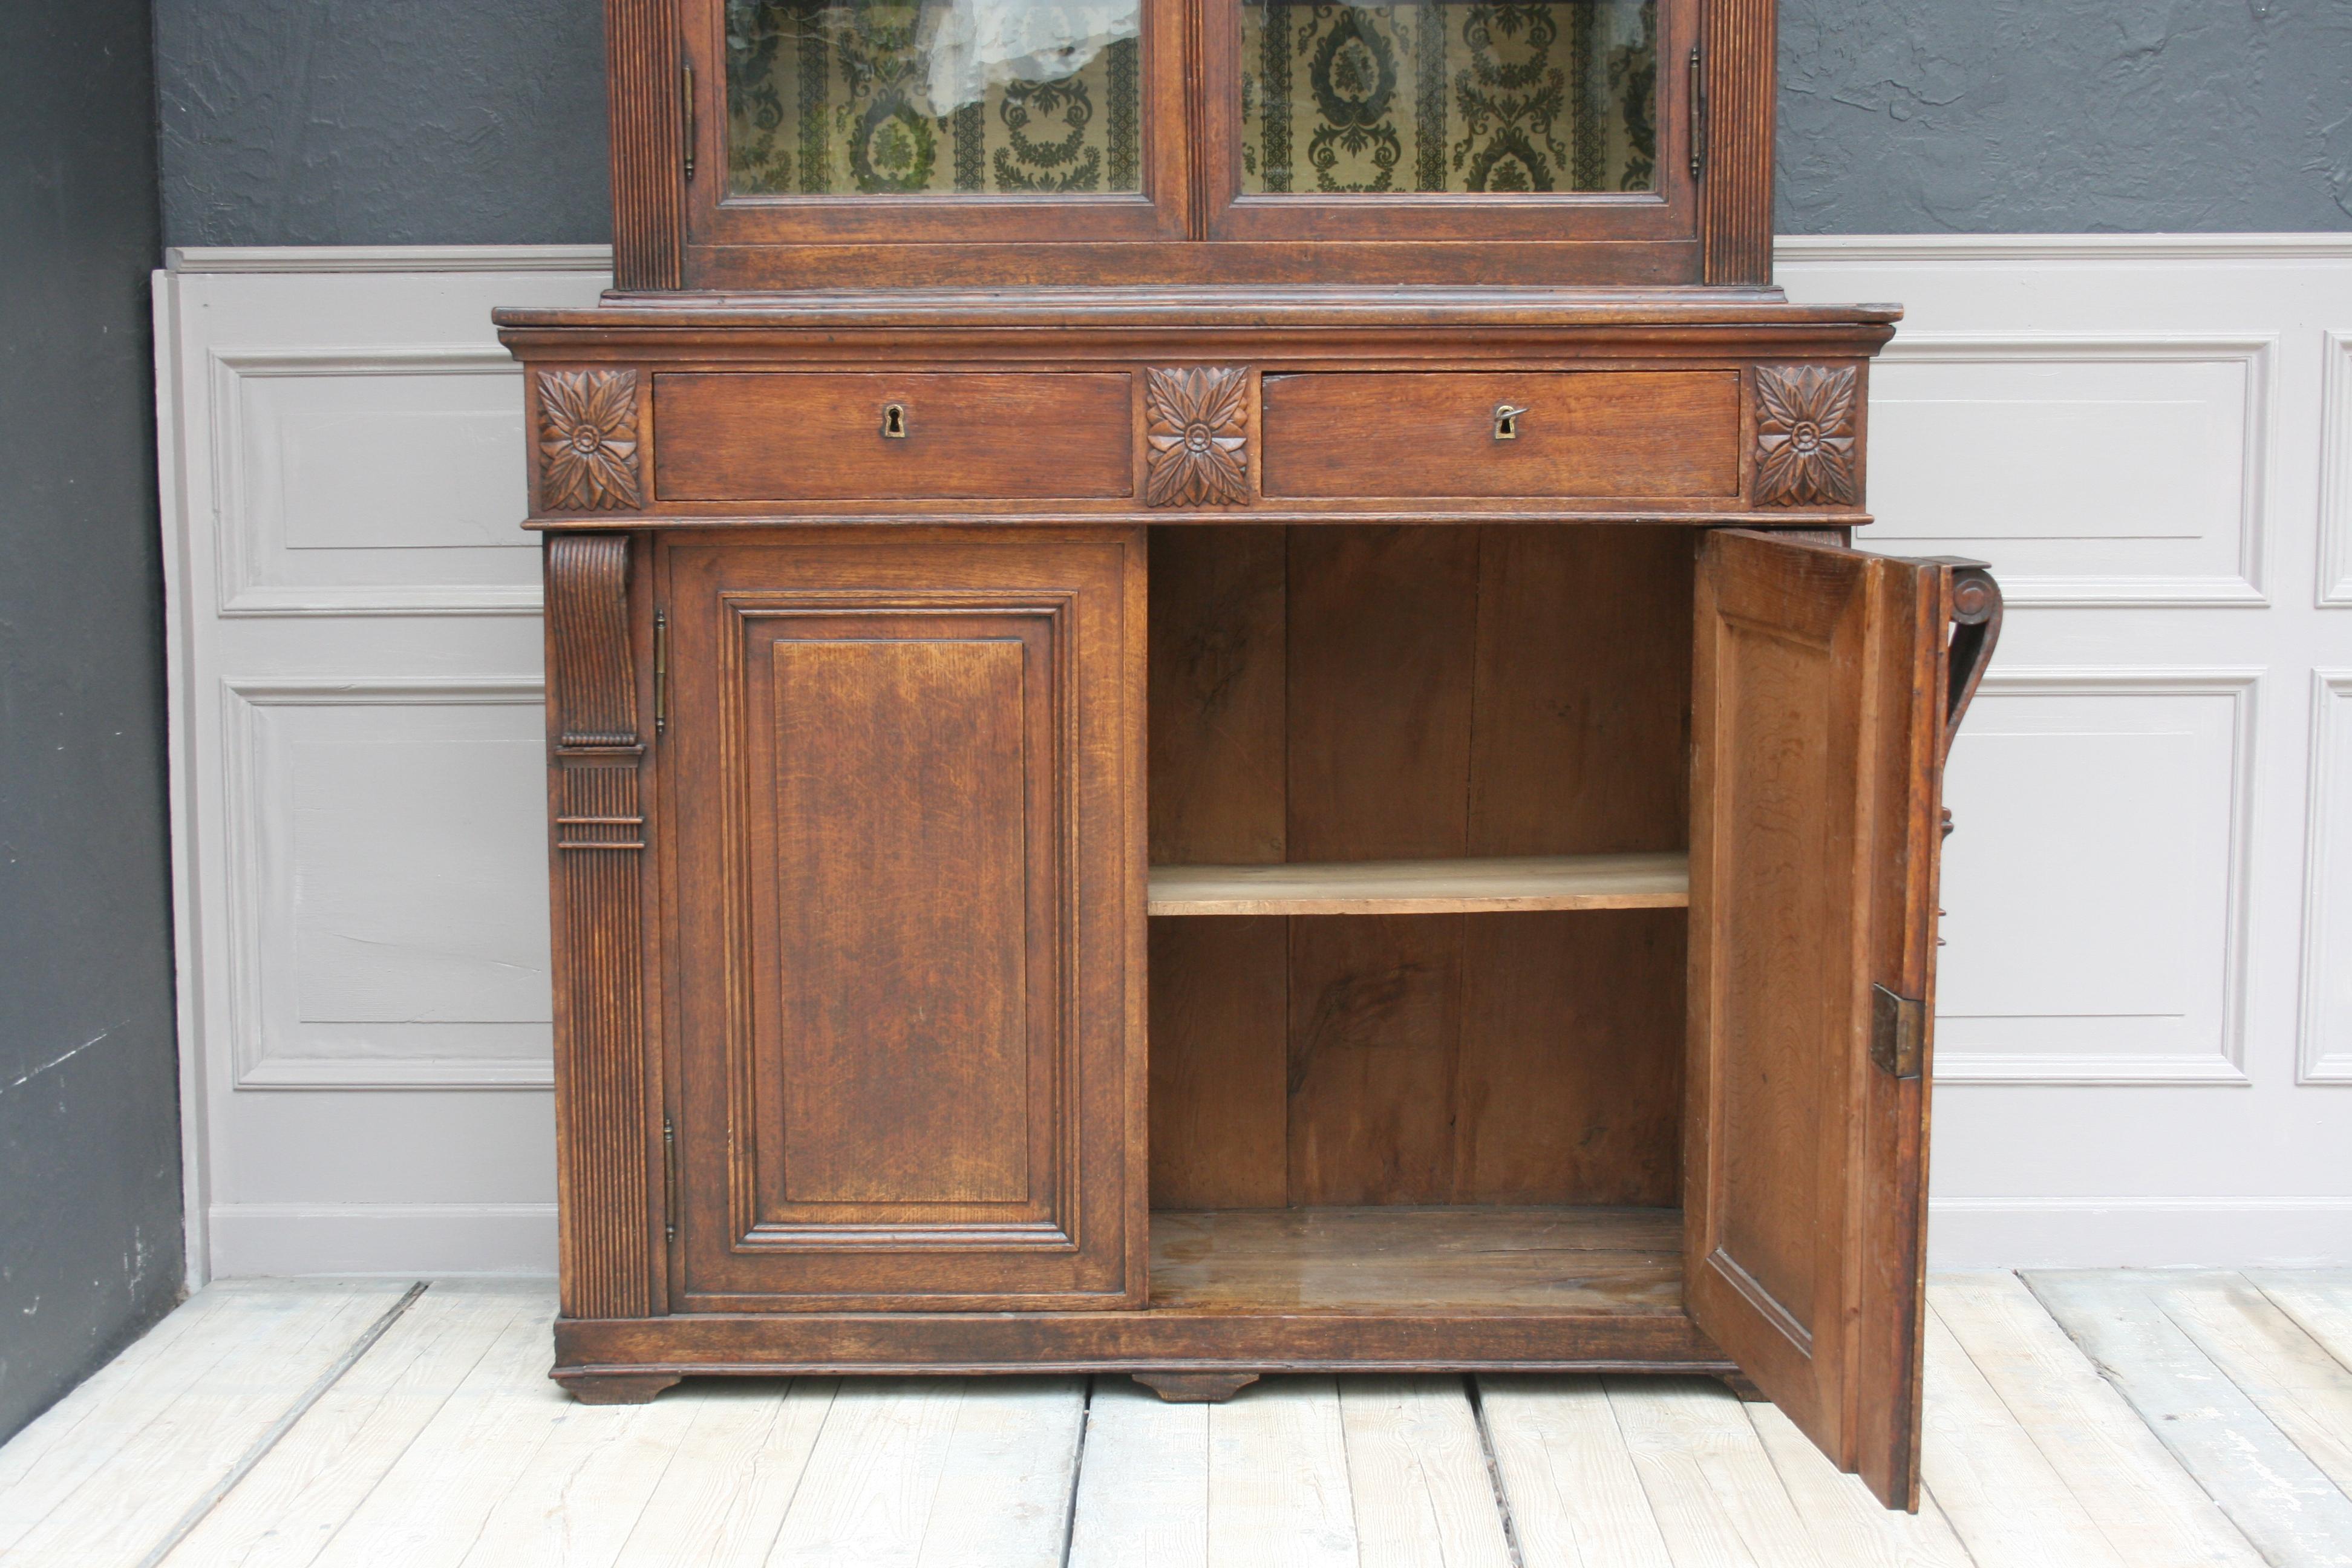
point(609, 1253)
point(1196, 436)
point(1976, 603)
point(1805, 435)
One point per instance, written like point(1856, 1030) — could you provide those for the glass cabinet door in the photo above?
point(946, 122)
point(1449, 119)
point(904, 98)
point(1448, 96)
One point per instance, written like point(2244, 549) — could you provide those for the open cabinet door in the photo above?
point(1824, 697)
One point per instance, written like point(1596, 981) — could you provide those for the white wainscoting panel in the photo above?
point(2135, 1004)
point(2118, 469)
point(357, 758)
point(2145, 1021)
point(2123, 966)
point(371, 479)
point(2335, 482)
point(2327, 907)
point(387, 884)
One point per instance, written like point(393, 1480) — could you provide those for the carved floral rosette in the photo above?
point(588, 440)
point(1805, 435)
point(1196, 436)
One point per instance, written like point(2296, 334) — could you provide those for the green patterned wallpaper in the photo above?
point(1556, 95)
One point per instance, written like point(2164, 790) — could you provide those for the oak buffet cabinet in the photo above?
point(1211, 713)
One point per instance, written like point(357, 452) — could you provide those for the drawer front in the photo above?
point(956, 436)
point(1629, 435)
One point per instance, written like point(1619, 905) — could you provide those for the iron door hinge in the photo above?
point(1898, 1032)
point(687, 91)
point(661, 672)
point(1697, 112)
point(669, 1180)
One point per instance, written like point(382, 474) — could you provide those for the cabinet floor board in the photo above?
point(1388, 1260)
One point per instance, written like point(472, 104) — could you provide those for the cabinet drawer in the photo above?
point(1652, 435)
point(965, 435)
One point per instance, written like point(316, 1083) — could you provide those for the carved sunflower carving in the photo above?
point(1196, 430)
point(588, 440)
point(1804, 435)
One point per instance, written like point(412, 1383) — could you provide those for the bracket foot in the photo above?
point(614, 1388)
point(1196, 1387)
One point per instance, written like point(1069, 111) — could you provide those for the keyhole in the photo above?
point(894, 420)
point(1506, 422)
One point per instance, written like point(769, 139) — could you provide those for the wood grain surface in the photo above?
point(1659, 880)
point(1610, 433)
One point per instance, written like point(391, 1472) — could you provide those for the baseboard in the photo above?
point(2139, 1233)
point(412, 1239)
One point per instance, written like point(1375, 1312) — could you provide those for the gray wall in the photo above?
point(357, 122)
point(90, 1162)
point(2020, 116)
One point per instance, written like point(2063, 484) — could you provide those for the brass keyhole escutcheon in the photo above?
point(894, 421)
point(1506, 421)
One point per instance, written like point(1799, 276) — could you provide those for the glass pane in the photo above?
point(1449, 95)
point(933, 96)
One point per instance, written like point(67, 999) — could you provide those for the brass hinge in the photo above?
point(669, 1180)
point(1898, 1032)
point(661, 671)
point(1697, 112)
point(687, 71)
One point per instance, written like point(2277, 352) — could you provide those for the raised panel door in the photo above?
point(905, 887)
point(1823, 700)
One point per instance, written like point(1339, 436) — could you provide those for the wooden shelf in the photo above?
point(1649, 881)
point(1378, 1261)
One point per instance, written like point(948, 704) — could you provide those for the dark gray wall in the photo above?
point(90, 1150)
point(2022, 116)
point(360, 123)
point(357, 122)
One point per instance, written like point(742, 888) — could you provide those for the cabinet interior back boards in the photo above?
point(1211, 713)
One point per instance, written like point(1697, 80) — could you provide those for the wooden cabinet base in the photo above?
point(1161, 1343)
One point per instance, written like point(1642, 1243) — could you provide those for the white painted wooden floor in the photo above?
point(2103, 1420)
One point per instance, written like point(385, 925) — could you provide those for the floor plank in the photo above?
point(578, 1500)
point(916, 1471)
point(1143, 1484)
point(1011, 1473)
point(2318, 1300)
point(1575, 1494)
point(722, 1499)
point(444, 1444)
point(2005, 1500)
point(120, 1476)
point(2272, 1359)
point(432, 1502)
point(1845, 1523)
point(1417, 1475)
point(1278, 1492)
point(2270, 1489)
point(1712, 1488)
point(2149, 1508)
point(286, 1511)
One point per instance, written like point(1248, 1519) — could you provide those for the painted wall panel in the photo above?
point(2140, 1050)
